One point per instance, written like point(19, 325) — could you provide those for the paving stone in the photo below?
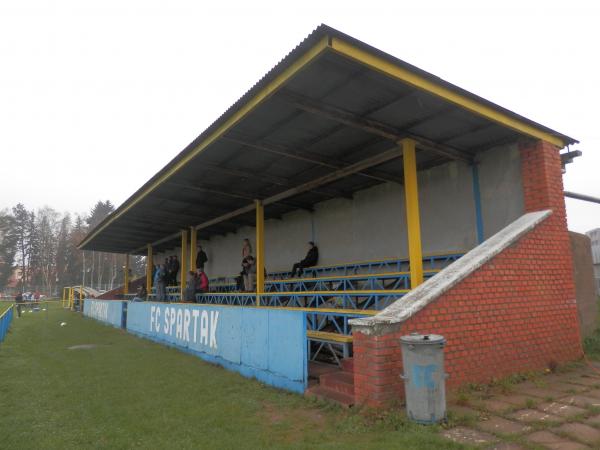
point(495, 406)
point(564, 384)
point(533, 415)
point(464, 411)
point(580, 400)
point(580, 432)
point(554, 442)
point(560, 409)
point(585, 381)
point(541, 393)
point(496, 424)
point(516, 399)
point(594, 420)
point(464, 435)
point(506, 446)
point(593, 393)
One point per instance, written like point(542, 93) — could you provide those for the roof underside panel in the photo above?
point(310, 127)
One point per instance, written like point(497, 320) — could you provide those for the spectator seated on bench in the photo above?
point(190, 287)
point(311, 259)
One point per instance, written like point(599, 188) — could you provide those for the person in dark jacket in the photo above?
point(159, 281)
point(166, 267)
point(311, 259)
point(190, 287)
point(174, 270)
point(201, 259)
point(18, 302)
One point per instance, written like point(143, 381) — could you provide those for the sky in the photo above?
point(97, 96)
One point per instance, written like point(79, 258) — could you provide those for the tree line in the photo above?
point(39, 247)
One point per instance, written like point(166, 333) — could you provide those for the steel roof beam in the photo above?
point(369, 125)
point(312, 158)
point(233, 194)
point(381, 158)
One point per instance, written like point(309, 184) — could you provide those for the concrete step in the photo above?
point(338, 381)
point(323, 393)
point(348, 364)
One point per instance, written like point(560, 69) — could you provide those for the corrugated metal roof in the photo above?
point(282, 142)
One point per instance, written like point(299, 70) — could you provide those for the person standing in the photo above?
point(18, 302)
point(190, 287)
point(167, 271)
point(175, 270)
point(201, 259)
point(250, 273)
point(159, 282)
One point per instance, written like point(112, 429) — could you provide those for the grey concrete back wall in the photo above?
point(373, 224)
point(447, 209)
point(585, 285)
point(501, 188)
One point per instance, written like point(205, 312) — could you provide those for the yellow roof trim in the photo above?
point(264, 93)
point(420, 82)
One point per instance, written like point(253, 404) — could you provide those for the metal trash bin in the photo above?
point(424, 377)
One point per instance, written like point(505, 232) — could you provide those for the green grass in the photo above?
point(4, 305)
point(130, 393)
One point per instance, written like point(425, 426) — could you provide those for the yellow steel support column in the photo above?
point(126, 280)
point(71, 298)
point(260, 250)
point(193, 249)
point(413, 221)
point(183, 264)
point(81, 296)
point(149, 264)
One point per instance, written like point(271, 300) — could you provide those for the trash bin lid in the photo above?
point(422, 339)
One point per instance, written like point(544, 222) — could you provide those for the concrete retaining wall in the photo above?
point(111, 312)
point(266, 344)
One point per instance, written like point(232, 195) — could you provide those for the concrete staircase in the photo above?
point(335, 384)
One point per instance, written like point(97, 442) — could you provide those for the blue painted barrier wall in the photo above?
point(112, 312)
point(5, 321)
point(266, 344)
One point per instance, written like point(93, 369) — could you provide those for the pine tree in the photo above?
point(8, 247)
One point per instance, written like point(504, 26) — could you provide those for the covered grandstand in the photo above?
point(395, 174)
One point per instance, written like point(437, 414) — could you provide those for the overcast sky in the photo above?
point(97, 96)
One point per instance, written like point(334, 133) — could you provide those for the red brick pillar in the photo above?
point(377, 369)
point(541, 174)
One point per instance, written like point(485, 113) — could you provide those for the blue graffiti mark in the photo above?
point(423, 376)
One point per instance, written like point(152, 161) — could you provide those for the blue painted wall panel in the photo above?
point(108, 311)
point(260, 343)
point(284, 333)
point(255, 329)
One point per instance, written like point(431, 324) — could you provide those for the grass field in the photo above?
point(129, 393)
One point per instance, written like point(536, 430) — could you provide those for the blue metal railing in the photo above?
point(5, 321)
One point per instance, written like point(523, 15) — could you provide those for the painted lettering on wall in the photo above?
point(195, 325)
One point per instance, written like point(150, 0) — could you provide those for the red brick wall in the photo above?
point(515, 313)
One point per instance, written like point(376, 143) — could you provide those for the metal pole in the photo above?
point(584, 197)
